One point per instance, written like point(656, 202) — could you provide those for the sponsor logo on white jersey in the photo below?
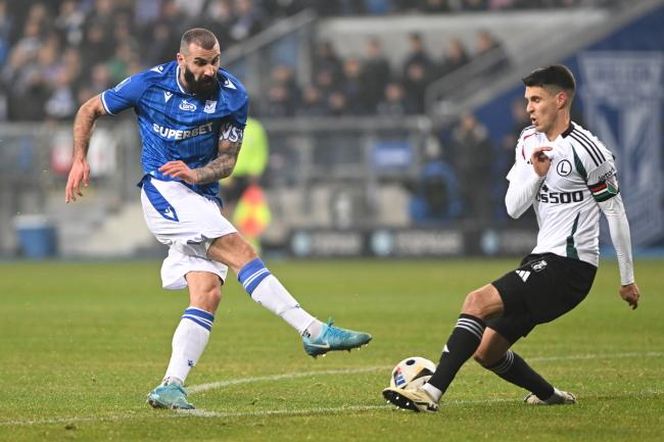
point(180, 134)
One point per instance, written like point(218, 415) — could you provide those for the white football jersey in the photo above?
point(582, 173)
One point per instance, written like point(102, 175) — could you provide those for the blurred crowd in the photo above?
point(56, 54)
point(369, 85)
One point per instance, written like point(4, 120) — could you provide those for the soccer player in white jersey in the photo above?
point(191, 116)
point(568, 176)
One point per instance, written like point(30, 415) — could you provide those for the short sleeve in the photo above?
point(125, 95)
point(232, 128)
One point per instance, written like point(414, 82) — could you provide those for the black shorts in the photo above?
point(542, 289)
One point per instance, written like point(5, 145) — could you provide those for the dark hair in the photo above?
point(556, 75)
point(200, 36)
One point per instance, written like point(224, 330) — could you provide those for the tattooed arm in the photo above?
point(222, 166)
point(83, 126)
point(229, 146)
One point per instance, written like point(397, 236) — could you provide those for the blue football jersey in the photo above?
point(177, 125)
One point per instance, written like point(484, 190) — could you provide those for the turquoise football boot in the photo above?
point(333, 338)
point(171, 396)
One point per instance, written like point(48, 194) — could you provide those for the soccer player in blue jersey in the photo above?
point(191, 116)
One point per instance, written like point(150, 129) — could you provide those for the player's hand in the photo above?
point(79, 174)
point(540, 161)
point(179, 169)
point(630, 293)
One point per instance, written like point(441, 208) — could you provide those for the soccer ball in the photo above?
point(411, 373)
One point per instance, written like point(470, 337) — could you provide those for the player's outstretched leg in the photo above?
point(318, 338)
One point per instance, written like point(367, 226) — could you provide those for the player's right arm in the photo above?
point(525, 177)
point(110, 102)
point(83, 126)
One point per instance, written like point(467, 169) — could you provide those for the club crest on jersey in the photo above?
point(210, 106)
point(187, 106)
point(564, 168)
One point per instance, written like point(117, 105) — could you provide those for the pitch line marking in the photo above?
point(276, 377)
point(297, 412)
point(354, 408)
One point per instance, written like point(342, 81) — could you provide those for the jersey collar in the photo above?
point(568, 131)
point(177, 80)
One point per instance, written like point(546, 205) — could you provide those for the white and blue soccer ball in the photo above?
point(411, 373)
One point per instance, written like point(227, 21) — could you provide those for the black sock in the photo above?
point(514, 369)
point(461, 345)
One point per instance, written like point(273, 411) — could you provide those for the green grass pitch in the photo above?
point(83, 343)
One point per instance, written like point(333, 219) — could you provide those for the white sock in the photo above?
point(189, 340)
point(433, 392)
point(266, 290)
point(272, 295)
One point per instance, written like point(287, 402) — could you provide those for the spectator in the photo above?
point(312, 103)
point(472, 161)
point(249, 20)
point(376, 73)
point(415, 85)
point(416, 54)
point(279, 103)
point(455, 58)
point(490, 49)
point(354, 87)
point(435, 197)
point(61, 104)
point(394, 101)
point(69, 23)
point(326, 59)
point(337, 103)
point(220, 17)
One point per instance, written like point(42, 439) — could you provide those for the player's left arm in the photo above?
point(606, 192)
point(223, 165)
point(228, 149)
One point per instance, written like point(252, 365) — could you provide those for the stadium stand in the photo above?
point(350, 92)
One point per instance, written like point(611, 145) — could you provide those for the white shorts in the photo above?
point(186, 222)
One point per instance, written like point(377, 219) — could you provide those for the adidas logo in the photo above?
point(523, 274)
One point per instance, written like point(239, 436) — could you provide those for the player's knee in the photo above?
point(207, 297)
point(482, 359)
point(474, 304)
